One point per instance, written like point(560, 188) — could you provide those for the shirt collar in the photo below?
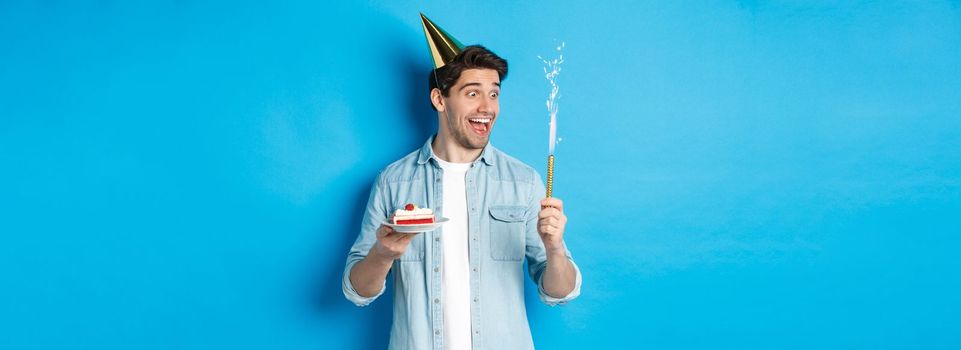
point(426, 153)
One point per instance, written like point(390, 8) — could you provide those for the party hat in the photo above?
point(443, 47)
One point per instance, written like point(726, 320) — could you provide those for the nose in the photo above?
point(486, 106)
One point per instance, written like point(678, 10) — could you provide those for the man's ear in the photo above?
point(437, 99)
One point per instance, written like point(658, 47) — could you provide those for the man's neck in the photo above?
point(448, 150)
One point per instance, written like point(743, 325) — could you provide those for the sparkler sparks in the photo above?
point(552, 68)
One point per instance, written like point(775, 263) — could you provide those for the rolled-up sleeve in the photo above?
point(375, 213)
point(536, 255)
point(552, 301)
point(352, 294)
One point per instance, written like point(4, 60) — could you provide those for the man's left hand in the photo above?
point(550, 225)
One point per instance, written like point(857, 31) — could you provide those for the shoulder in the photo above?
point(404, 169)
point(508, 168)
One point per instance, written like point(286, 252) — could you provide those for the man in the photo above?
point(461, 286)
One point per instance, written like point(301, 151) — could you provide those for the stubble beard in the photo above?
point(460, 133)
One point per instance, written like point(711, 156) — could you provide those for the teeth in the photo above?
point(479, 120)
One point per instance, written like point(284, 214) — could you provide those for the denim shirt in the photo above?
point(503, 201)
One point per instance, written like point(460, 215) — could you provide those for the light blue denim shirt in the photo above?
point(503, 200)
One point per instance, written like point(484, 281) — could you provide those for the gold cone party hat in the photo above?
point(443, 47)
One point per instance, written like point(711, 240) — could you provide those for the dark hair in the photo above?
point(472, 57)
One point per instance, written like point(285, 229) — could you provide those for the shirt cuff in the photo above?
point(352, 294)
point(552, 301)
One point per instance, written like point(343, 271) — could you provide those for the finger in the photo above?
point(384, 230)
point(548, 234)
point(559, 220)
point(546, 226)
point(551, 220)
point(393, 235)
point(549, 212)
point(399, 237)
point(544, 230)
point(553, 202)
point(551, 223)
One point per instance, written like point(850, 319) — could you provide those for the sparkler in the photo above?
point(552, 68)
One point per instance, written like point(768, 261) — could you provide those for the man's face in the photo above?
point(472, 107)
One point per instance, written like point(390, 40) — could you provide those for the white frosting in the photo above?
point(416, 214)
point(417, 211)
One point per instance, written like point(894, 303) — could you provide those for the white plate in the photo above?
point(417, 228)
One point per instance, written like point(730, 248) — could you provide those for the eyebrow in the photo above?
point(476, 84)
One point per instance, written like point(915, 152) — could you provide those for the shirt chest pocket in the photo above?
point(507, 232)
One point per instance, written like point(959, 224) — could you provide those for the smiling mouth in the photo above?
point(481, 126)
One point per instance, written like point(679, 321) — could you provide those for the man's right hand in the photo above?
point(390, 244)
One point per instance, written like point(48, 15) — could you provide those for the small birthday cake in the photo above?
point(412, 215)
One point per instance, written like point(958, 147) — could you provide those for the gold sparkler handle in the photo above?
point(550, 175)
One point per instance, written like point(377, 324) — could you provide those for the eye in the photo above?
point(494, 94)
point(472, 93)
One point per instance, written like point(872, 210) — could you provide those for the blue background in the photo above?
point(738, 174)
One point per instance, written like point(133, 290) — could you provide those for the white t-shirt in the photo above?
point(455, 266)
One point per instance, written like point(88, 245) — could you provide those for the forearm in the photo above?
point(559, 276)
point(368, 275)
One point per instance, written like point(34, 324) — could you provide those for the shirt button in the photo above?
point(436, 332)
point(475, 300)
point(436, 239)
point(475, 269)
point(436, 301)
point(436, 269)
